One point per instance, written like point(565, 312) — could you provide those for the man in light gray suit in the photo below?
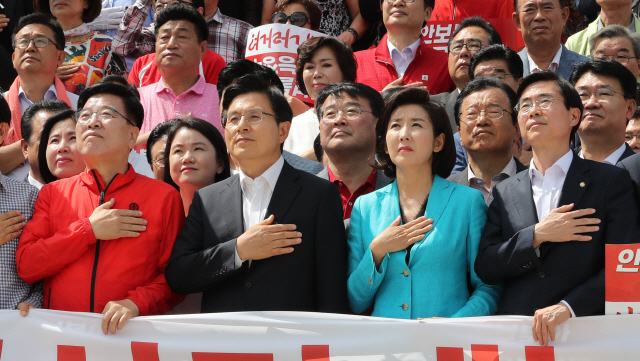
point(348, 113)
point(541, 23)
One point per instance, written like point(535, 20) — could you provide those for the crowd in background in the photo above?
point(147, 168)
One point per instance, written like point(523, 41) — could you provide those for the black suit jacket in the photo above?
point(311, 278)
point(448, 101)
point(628, 151)
point(569, 271)
point(632, 165)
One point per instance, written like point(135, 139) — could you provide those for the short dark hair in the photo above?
point(342, 51)
point(481, 84)
point(45, 172)
point(5, 112)
point(26, 128)
point(208, 131)
point(120, 80)
point(41, 19)
point(160, 131)
point(241, 67)
point(563, 4)
point(636, 113)
point(88, 15)
point(183, 12)
point(132, 105)
point(353, 90)
point(255, 84)
point(477, 21)
point(498, 52)
point(443, 161)
point(608, 68)
point(568, 92)
point(312, 7)
point(389, 93)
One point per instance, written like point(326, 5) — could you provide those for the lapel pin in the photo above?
point(582, 184)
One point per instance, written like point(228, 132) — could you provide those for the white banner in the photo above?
point(263, 336)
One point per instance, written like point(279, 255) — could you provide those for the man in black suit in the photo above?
point(608, 91)
point(488, 129)
point(632, 165)
point(270, 237)
point(546, 227)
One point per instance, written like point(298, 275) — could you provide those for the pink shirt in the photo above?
point(161, 104)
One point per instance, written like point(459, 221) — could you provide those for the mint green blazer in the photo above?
point(435, 281)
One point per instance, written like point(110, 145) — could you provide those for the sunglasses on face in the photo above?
point(298, 18)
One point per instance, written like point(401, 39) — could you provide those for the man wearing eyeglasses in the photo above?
point(611, 13)
point(541, 23)
point(100, 241)
point(608, 92)
point(402, 58)
point(616, 42)
point(632, 135)
point(488, 127)
point(547, 226)
point(38, 43)
point(270, 238)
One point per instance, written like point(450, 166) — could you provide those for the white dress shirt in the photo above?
point(401, 60)
point(34, 182)
point(614, 157)
point(547, 189)
point(256, 195)
point(555, 63)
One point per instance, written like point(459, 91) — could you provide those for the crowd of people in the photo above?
point(420, 184)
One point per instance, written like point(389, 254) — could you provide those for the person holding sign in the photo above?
point(547, 226)
point(412, 242)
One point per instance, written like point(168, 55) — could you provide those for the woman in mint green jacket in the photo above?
point(412, 244)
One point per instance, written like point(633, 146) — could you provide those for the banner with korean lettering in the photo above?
point(622, 279)
point(276, 46)
point(437, 33)
point(295, 336)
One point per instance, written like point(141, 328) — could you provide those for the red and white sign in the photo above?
point(437, 33)
point(297, 336)
point(622, 279)
point(276, 46)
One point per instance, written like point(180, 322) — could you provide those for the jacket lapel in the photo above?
point(522, 196)
point(576, 183)
point(390, 204)
point(232, 197)
point(284, 194)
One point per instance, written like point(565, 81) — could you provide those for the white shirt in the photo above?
point(555, 63)
point(140, 164)
point(401, 60)
point(614, 157)
point(256, 195)
point(303, 132)
point(547, 189)
point(34, 182)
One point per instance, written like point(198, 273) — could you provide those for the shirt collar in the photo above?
point(563, 164)
point(51, 93)
point(34, 182)
point(556, 61)
point(197, 88)
point(217, 17)
point(632, 26)
point(613, 157)
point(413, 48)
point(509, 170)
point(371, 180)
point(270, 175)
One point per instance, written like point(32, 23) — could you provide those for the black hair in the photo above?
point(481, 84)
point(239, 68)
point(5, 111)
point(389, 93)
point(477, 21)
point(134, 109)
point(442, 161)
point(41, 19)
point(608, 68)
point(563, 4)
point(208, 131)
point(255, 84)
point(88, 15)
point(568, 92)
point(120, 80)
point(312, 7)
point(498, 52)
point(45, 172)
point(160, 131)
point(26, 128)
point(183, 12)
point(353, 90)
point(341, 51)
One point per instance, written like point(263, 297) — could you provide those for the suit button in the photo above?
point(247, 284)
point(405, 273)
point(370, 281)
point(541, 274)
point(405, 306)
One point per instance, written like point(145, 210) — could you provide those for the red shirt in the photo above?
point(430, 66)
point(349, 199)
point(145, 71)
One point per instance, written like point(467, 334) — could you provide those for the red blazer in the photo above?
point(376, 69)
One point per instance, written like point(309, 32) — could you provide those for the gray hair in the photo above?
point(615, 31)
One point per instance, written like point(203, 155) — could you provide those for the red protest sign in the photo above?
point(622, 278)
